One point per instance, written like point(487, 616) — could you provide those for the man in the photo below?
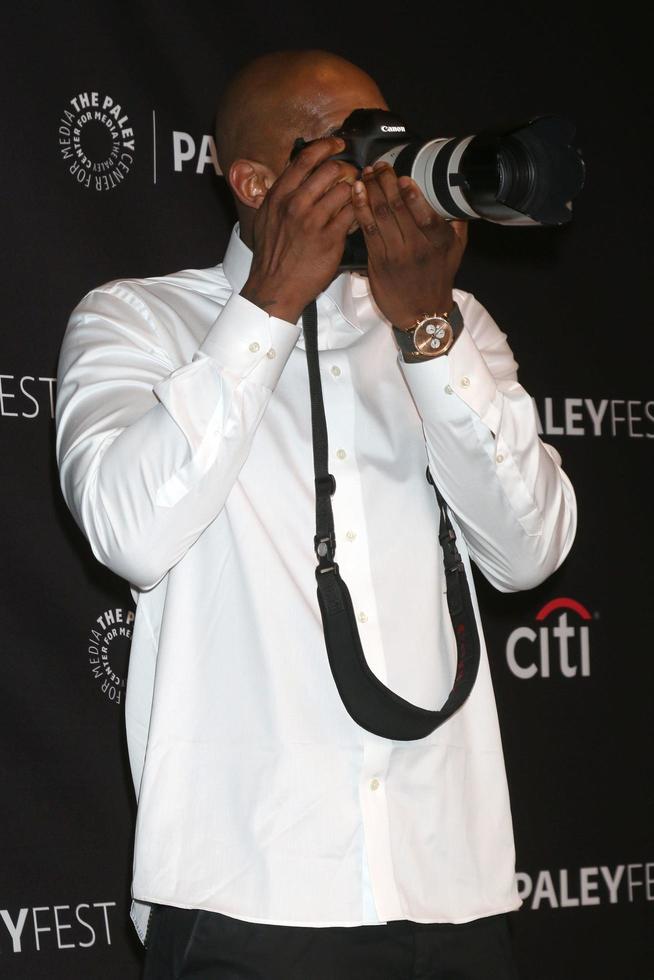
point(275, 837)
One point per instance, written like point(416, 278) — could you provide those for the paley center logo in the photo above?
point(108, 651)
point(96, 140)
point(560, 645)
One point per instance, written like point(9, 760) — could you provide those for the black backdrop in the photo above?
point(571, 660)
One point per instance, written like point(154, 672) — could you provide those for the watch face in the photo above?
point(433, 336)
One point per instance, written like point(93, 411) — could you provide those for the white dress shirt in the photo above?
point(184, 444)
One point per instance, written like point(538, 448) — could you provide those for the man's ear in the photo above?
point(250, 181)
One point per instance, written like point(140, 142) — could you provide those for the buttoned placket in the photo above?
point(376, 826)
point(353, 555)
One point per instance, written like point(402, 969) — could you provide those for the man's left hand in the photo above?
point(413, 253)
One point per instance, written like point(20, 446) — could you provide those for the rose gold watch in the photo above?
point(430, 336)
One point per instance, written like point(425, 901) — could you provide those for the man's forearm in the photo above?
point(515, 505)
point(147, 454)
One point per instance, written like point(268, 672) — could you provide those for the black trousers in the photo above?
point(186, 944)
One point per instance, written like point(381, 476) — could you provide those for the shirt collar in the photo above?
point(336, 299)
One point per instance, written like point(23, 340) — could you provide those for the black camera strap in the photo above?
point(369, 702)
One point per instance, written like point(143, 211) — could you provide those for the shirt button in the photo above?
point(351, 535)
point(448, 389)
point(363, 617)
point(272, 353)
point(336, 371)
point(374, 784)
point(254, 347)
point(499, 458)
point(341, 454)
point(465, 382)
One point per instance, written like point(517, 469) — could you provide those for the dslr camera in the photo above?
point(527, 174)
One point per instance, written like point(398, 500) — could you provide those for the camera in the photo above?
point(526, 174)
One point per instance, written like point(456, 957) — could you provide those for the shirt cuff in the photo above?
point(462, 372)
point(246, 342)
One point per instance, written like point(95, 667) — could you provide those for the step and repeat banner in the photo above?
point(110, 171)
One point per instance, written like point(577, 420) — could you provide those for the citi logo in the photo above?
point(393, 129)
point(560, 646)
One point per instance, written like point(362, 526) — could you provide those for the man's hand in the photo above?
point(413, 253)
point(300, 231)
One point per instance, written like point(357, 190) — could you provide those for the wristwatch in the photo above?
point(430, 336)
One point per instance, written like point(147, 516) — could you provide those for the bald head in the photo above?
point(280, 96)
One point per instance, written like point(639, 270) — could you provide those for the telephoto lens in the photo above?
point(526, 176)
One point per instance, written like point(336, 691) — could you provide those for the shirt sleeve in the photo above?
point(515, 505)
point(148, 451)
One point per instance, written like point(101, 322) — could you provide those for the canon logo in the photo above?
point(564, 648)
point(393, 129)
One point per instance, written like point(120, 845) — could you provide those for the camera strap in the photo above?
point(369, 702)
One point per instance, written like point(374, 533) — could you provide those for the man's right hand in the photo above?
point(300, 231)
